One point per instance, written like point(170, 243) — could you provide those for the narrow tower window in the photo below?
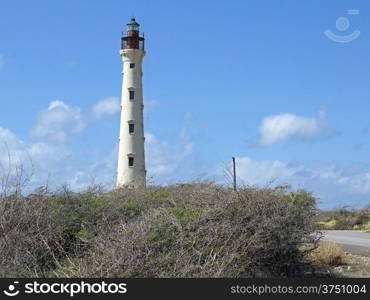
point(131, 128)
point(130, 161)
point(132, 95)
point(132, 65)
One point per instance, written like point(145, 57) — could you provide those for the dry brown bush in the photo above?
point(328, 253)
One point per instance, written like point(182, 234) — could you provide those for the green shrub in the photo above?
point(344, 219)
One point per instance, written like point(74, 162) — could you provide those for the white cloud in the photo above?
point(262, 172)
point(58, 122)
point(11, 147)
point(333, 183)
point(21, 152)
point(163, 157)
point(279, 128)
point(39, 158)
point(8, 138)
point(57, 104)
point(101, 169)
point(2, 62)
point(106, 107)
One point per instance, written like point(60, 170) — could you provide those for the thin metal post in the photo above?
point(234, 173)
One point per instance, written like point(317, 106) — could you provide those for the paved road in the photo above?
point(351, 240)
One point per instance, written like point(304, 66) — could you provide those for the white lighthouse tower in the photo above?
point(131, 156)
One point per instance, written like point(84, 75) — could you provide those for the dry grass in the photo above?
point(328, 253)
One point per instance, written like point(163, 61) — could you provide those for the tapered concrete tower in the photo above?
point(131, 155)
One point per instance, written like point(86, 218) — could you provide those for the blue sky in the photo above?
point(258, 80)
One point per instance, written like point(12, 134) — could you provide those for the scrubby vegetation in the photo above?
point(345, 219)
point(328, 253)
point(185, 230)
